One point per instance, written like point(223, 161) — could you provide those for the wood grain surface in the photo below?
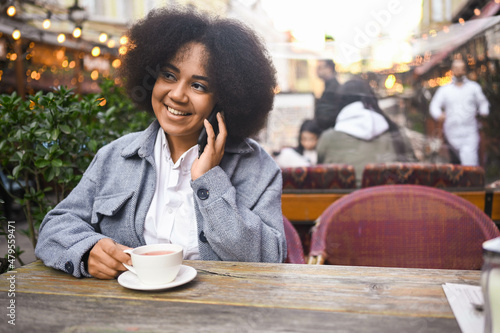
point(240, 297)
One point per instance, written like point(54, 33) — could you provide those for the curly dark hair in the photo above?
point(242, 76)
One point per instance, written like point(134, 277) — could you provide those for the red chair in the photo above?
point(295, 252)
point(402, 226)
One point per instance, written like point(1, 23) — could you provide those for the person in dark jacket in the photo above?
point(325, 111)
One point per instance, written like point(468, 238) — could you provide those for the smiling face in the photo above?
point(181, 97)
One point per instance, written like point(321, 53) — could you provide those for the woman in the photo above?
point(152, 187)
point(362, 133)
point(305, 153)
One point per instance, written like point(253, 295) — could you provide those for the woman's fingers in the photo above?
point(214, 150)
point(106, 258)
point(220, 141)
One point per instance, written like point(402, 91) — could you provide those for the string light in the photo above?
point(103, 37)
point(124, 40)
point(77, 33)
point(461, 21)
point(16, 34)
point(116, 63)
point(96, 51)
point(477, 12)
point(11, 11)
point(111, 43)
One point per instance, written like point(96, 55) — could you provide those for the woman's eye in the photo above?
point(199, 87)
point(167, 75)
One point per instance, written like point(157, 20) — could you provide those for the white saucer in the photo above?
point(131, 281)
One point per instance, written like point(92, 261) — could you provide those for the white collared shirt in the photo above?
point(171, 217)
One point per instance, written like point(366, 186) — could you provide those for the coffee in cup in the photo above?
point(155, 264)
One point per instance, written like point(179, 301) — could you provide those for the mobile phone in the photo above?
point(202, 139)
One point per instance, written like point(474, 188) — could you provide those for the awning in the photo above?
point(458, 35)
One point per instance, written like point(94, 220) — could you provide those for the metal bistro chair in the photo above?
point(409, 226)
point(295, 252)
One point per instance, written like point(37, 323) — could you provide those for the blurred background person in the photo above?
point(362, 133)
point(456, 106)
point(324, 110)
point(305, 153)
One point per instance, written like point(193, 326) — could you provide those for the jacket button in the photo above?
point(69, 267)
point(202, 193)
point(203, 238)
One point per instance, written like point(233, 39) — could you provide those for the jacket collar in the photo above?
point(143, 145)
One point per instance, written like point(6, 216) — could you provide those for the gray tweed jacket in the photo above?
point(237, 204)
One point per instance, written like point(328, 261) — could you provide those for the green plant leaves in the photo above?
point(65, 129)
point(49, 139)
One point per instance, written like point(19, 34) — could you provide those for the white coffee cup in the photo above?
point(156, 264)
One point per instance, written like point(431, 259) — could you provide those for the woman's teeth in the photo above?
point(176, 112)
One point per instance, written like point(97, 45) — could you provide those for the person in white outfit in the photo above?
point(458, 104)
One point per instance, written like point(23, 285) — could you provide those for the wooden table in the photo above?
point(238, 297)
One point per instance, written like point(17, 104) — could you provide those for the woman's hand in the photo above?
point(214, 150)
point(106, 258)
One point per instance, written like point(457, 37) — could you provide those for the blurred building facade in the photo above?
point(44, 56)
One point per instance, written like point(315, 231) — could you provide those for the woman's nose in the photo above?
point(178, 93)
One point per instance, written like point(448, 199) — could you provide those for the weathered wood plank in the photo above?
point(59, 313)
point(368, 290)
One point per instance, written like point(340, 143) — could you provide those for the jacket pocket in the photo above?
point(108, 206)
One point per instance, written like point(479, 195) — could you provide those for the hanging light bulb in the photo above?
point(11, 11)
point(16, 34)
point(77, 33)
point(103, 37)
point(61, 38)
point(46, 22)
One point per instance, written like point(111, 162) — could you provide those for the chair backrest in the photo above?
point(402, 226)
point(435, 175)
point(323, 176)
point(295, 252)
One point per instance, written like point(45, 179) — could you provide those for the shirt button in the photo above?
point(202, 193)
point(169, 210)
point(69, 267)
point(203, 238)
